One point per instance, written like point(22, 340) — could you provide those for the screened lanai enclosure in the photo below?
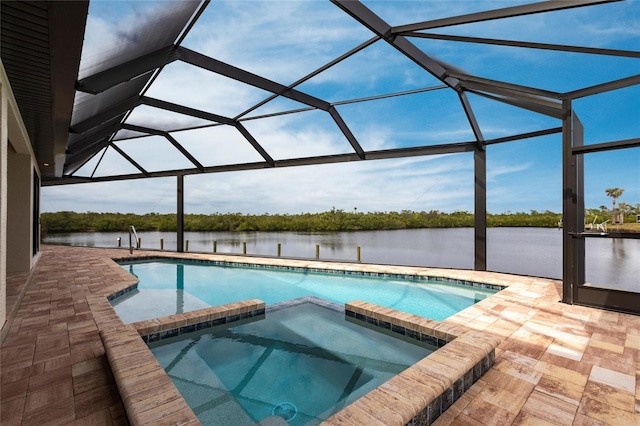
point(213, 86)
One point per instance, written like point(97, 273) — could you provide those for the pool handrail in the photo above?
point(132, 231)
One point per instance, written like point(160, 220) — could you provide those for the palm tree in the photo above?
point(614, 193)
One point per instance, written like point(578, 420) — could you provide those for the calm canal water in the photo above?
point(611, 262)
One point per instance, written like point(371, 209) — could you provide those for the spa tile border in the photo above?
point(147, 392)
point(286, 268)
point(157, 329)
point(336, 307)
point(421, 393)
point(387, 323)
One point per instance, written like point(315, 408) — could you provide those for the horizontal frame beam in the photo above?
point(304, 109)
point(528, 135)
point(453, 148)
point(605, 87)
point(545, 97)
point(527, 44)
point(621, 301)
point(450, 148)
point(606, 146)
point(507, 12)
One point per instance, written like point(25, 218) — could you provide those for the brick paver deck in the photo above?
point(556, 364)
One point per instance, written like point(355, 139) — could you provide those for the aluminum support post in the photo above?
point(480, 209)
point(180, 214)
point(573, 244)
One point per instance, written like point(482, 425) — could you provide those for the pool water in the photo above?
point(169, 287)
point(301, 363)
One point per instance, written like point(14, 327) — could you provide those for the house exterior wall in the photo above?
point(3, 199)
point(19, 211)
point(17, 167)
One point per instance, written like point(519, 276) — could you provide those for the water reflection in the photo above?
point(613, 263)
point(180, 289)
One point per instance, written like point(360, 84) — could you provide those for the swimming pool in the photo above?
point(168, 287)
point(302, 363)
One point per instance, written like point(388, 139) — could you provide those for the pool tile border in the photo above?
point(119, 293)
point(373, 274)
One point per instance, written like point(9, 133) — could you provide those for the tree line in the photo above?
point(333, 220)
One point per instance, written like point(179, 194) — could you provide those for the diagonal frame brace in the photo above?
point(249, 137)
point(129, 159)
point(339, 59)
point(226, 70)
point(115, 111)
point(167, 136)
point(181, 109)
point(466, 105)
point(366, 17)
point(104, 80)
point(347, 132)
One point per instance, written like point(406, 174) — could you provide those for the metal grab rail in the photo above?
point(132, 231)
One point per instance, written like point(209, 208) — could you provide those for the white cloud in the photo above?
point(135, 196)
point(293, 137)
point(280, 40)
point(194, 87)
point(504, 169)
point(417, 183)
point(218, 145)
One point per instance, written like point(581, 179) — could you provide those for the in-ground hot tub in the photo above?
point(303, 362)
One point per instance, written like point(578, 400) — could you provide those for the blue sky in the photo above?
point(284, 41)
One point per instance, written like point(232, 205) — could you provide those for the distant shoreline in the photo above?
point(330, 221)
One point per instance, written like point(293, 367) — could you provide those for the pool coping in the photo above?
point(418, 275)
point(418, 395)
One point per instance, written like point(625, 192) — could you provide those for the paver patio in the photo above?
point(556, 364)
